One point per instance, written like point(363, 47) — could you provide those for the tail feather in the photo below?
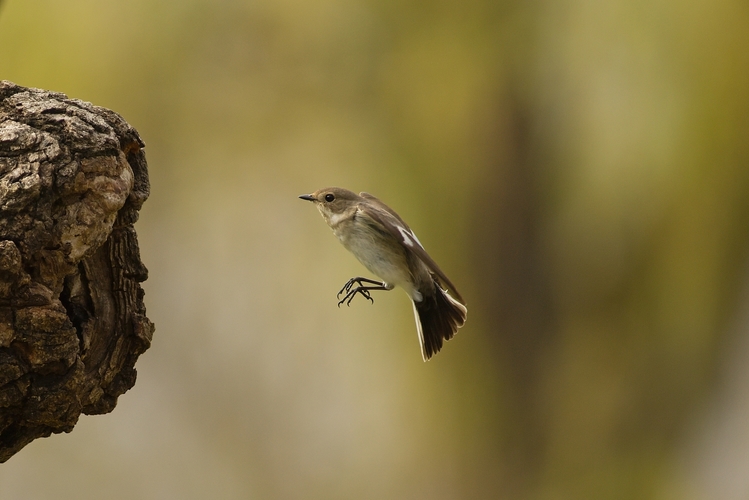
point(438, 318)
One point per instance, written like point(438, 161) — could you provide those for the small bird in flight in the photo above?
point(384, 243)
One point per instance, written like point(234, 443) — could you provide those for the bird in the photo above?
point(381, 240)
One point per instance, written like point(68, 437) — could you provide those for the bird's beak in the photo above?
point(307, 197)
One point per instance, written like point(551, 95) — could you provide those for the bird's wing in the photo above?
point(396, 226)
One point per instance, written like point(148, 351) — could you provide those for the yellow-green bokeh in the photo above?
point(580, 170)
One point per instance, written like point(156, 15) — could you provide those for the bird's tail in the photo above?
point(438, 318)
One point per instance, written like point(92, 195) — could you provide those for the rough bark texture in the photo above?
point(72, 321)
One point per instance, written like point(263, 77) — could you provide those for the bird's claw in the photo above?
point(350, 294)
point(351, 291)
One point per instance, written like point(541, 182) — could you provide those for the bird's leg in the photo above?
point(351, 291)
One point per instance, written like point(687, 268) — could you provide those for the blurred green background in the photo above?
point(579, 169)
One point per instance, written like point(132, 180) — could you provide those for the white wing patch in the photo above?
point(408, 237)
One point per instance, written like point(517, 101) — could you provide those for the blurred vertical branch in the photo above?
point(514, 290)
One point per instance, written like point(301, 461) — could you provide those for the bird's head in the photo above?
point(334, 203)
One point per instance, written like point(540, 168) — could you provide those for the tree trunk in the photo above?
point(72, 320)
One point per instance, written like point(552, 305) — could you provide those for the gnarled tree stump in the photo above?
point(72, 321)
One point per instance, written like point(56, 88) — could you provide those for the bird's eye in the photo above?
point(329, 197)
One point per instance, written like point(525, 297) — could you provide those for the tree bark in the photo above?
point(72, 320)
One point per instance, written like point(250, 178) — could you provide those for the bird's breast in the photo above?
point(379, 252)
